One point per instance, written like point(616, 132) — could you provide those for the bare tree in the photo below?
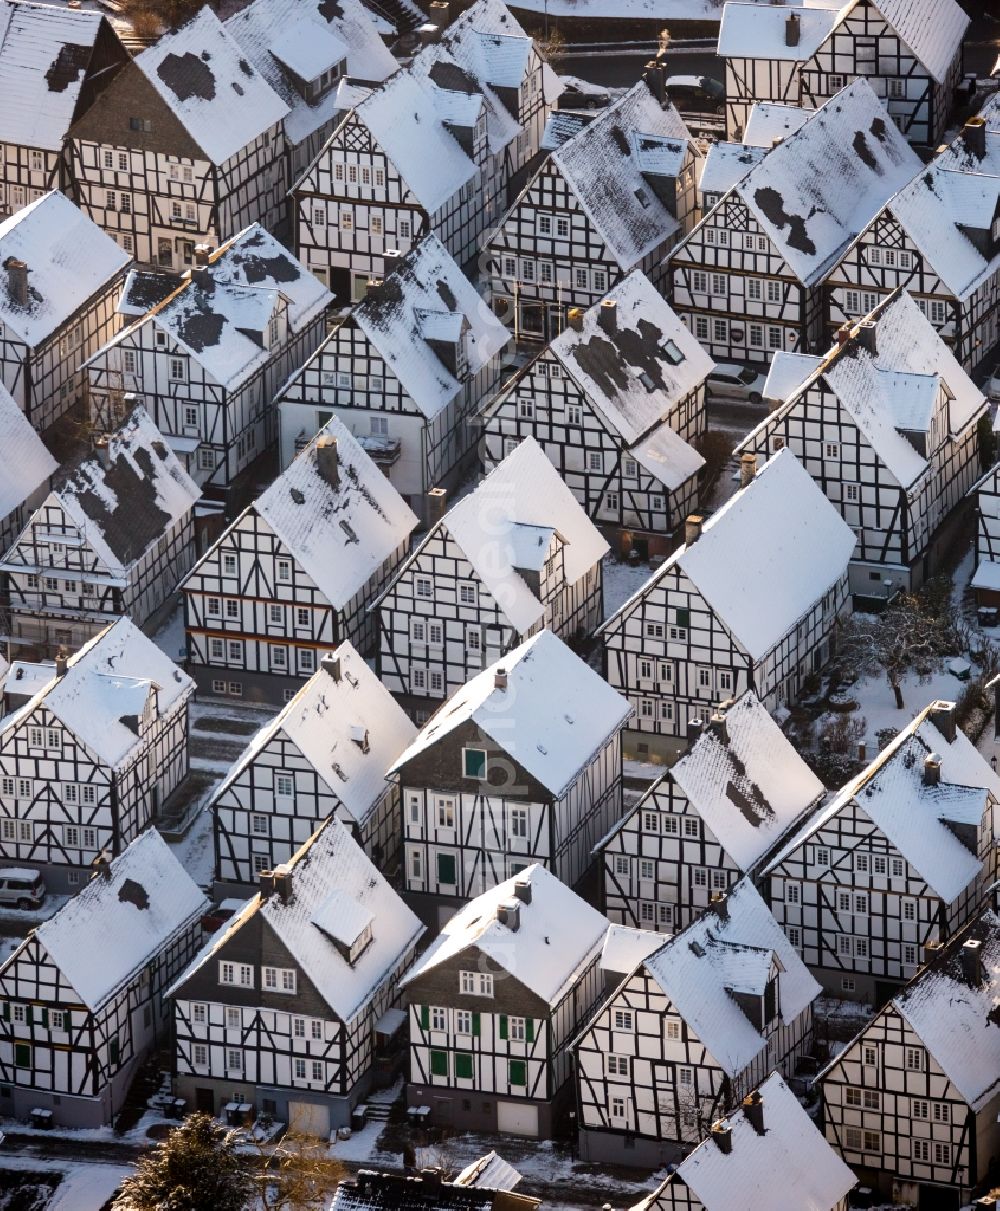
point(906, 638)
point(297, 1174)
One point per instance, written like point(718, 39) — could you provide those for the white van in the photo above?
point(21, 888)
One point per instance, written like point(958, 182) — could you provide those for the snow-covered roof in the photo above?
point(562, 125)
point(330, 864)
point(427, 287)
point(625, 948)
point(788, 1167)
point(106, 682)
point(919, 819)
point(606, 167)
point(348, 727)
point(769, 120)
point(757, 31)
point(69, 259)
point(25, 462)
point(45, 50)
point(749, 786)
point(218, 96)
point(766, 557)
point(221, 314)
point(553, 715)
point(932, 29)
point(125, 507)
point(635, 361)
point(726, 164)
point(489, 1172)
point(313, 34)
point(558, 934)
point(956, 1019)
point(110, 930)
point(788, 372)
point(339, 533)
point(731, 948)
point(820, 187)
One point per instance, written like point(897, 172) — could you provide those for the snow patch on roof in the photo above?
point(25, 462)
point(757, 31)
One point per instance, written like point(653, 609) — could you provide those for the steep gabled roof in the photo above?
point(69, 259)
point(45, 51)
point(788, 1167)
point(604, 167)
point(769, 120)
point(748, 785)
point(203, 77)
point(126, 506)
point(732, 948)
point(25, 462)
point(344, 28)
point(339, 534)
point(817, 190)
point(932, 29)
point(558, 934)
point(552, 716)
point(113, 927)
point(348, 727)
point(335, 890)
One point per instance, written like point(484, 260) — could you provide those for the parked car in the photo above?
point(696, 94)
point(581, 94)
point(730, 381)
point(21, 887)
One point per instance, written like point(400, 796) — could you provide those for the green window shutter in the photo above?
point(45, 1016)
point(475, 1025)
point(114, 1051)
point(22, 1055)
point(425, 1016)
point(446, 869)
point(518, 1072)
point(503, 1025)
point(29, 1015)
point(439, 1063)
point(683, 618)
point(6, 1011)
point(474, 763)
point(529, 1030)
point(463, 1065)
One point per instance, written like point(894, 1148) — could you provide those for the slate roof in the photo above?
point(324, 720)
point(113, 927)
point(330, 864)
point(124, 508)
point(45, 50)
point(730, 948)
point(69, 260)
point(558, 935)
point(25, 462)
point(339, 535)
point(552, 717)
point(215, 92)
point(604, 165)
point(324, 29)
point(726, 164)
point(790, 1167)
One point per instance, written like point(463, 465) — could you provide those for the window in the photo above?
point(422, 586)
point(279, 979)
point(921, 1150)
point(835, 83)
point(545, 224)
point(754, 292)
point(239, 975)
point(831, 450)
point(439, 1019)
point(792, 893)
point(177, 369)
point(234, 1018)
point(516, 1030)
point(851, 493)
point(519, 823)
point(692, 827)
point(861, 863)
point(617, 1107)
point(623, 1019)
point(673, 1029)
point(897, 868)
point(619, 1065)
point(914, 1059)
point(574, 414)
point(942, 1153)
point(467, 594)
point(473, 764)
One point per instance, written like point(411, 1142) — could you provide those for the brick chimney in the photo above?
point(974, 136)
point(932, 770)
point(283, 882)
point(867, 337)
point(17, 281)
point(753, 1111)
point(748, 469)
point(972, 963)
point(942, 715)
point(793, 29)
point(692, 528)
point(574, 318)
point(722, 1135)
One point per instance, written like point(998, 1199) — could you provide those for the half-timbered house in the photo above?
point(690, 1032)
point(54, 61)
point(495, 1002)
point(912, 1103)
point(432, 149)
point(750, 601)
point(803, 54)
point(295, 574)
point(207, 361)
point(114, 538)
point(765, 1156)
point(185, 146)
point(406, 371)
point(749, 280)
point(61, 280)
point(304, 51)
point(617, 402)
point(615, 197)
point(292, 1007)
point(888, 425)
point(715, 816)
point(522, 765)
point(986, 578)
point(513, 556)
point(89, 759)
point(901, 857)
point(82, 997)
point(939, 238)
point(325, 754)
point(26, 469)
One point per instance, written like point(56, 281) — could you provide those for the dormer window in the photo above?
point(360, 944)
point(474, 763)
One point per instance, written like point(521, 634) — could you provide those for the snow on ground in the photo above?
point(877, 703)
point(195, 850)
point(621, 580)
point(170, 638)
point(85, 1185)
